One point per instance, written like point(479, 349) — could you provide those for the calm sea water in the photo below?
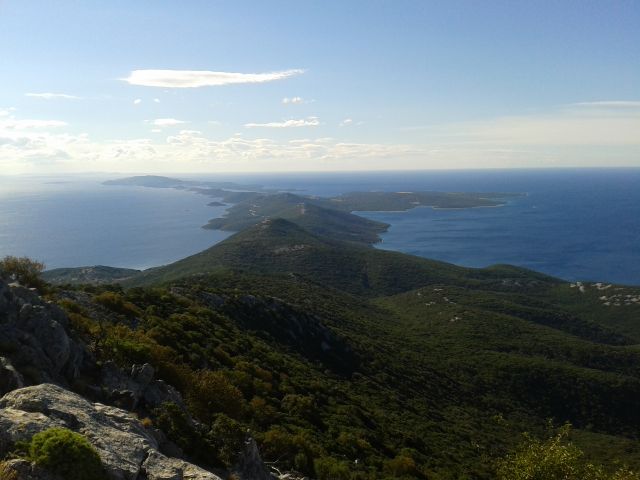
point(81, 222)
point(574, 224)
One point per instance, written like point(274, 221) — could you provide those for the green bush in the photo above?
point(24, 270)
point(66, 453)
point(227, 436)
point(116, 303)
point(210, 393)
point(554, 459)
point(328, 468)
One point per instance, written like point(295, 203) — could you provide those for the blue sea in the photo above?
point(576, 224)
point(78, 221)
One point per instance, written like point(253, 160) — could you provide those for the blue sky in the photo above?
point(207, 86)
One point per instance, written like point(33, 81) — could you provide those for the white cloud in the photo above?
point(192, 151)
point(292, 100)
point(53, 96)
point(167, 122)
point(567, 136)
point(137, 101)
point(202, 78)
point(307, 122)
point(156, 100)
point(188, 150)
point(346, 122)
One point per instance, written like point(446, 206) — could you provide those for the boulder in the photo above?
point(128, 451)
point(159, 467)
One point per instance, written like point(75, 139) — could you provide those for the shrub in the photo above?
point(114, 302)
point(24, 270)
point(211, 393)
point(170, 418)
point(328, 468)
point(554, 459)
point(400, 466)
point(227, 436)
point(67, 454)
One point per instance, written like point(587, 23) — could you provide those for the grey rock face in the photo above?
point(250, 465)
point(126, 448)
point(50, 334)
point(35, 332)
point(128, 391)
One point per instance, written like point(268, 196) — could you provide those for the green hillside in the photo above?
point(305, 212)
point(350, 362)
point(443, 378)
point(283, 247)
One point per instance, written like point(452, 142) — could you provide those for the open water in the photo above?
point(577, 224)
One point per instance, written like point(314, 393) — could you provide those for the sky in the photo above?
point(212, 86)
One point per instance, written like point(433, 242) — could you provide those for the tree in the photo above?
point(24, 270)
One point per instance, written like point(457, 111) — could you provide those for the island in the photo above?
point(332, 217)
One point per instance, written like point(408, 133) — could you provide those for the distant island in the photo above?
point(333, 217)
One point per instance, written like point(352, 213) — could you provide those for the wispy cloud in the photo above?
point(609, 104)
point(167, 122)
point(202, 78)
point(53, 96)
point(587, 124)
point(137, 101)
point(346, 122)
point(305, 122)
point(26, 124)
point(292, 100)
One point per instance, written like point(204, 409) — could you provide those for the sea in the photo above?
point(575, 224)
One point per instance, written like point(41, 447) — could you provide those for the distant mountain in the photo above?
point(154, 181)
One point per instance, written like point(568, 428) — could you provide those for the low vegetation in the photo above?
point(555, 459)
point(65, 453)
point(24, 270)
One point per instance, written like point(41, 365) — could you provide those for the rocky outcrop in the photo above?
point(128, 451)
point(137, 388)
point(36, 348)
point(250, 465)
point(34, 341)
